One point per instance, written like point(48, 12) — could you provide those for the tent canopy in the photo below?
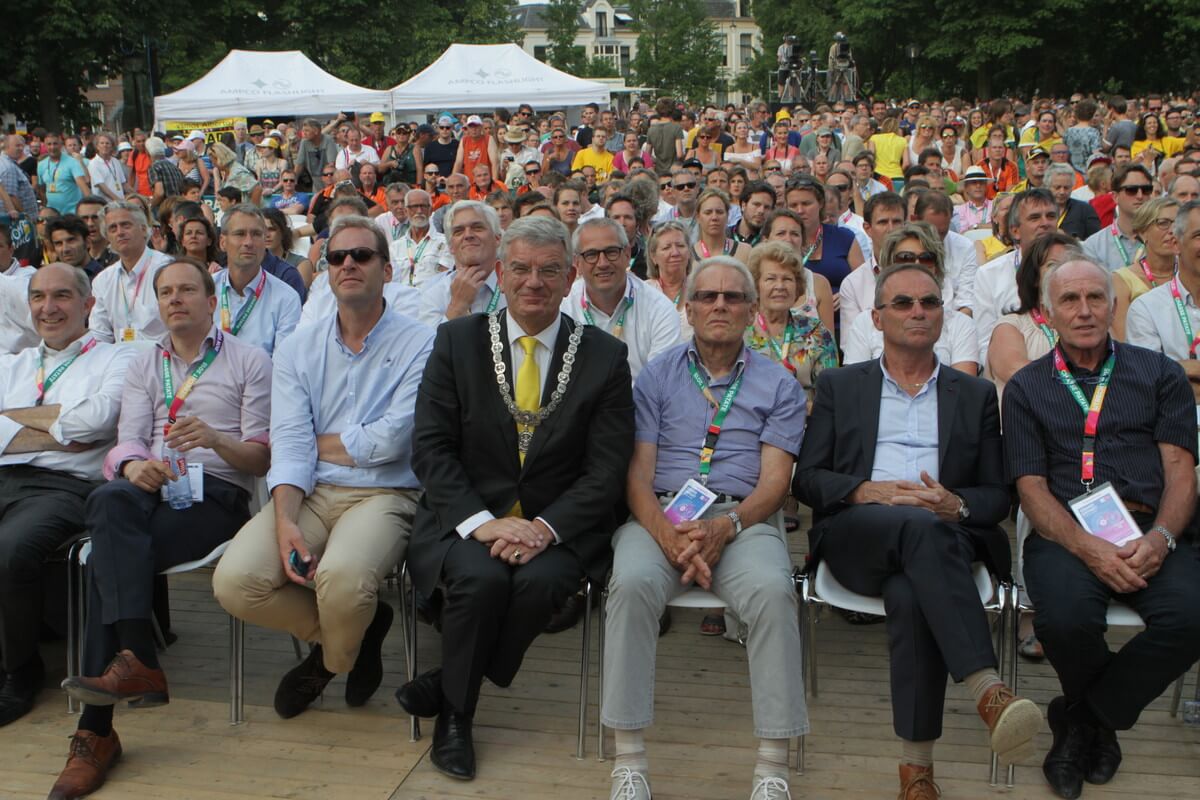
point(484, 76)
point(254, 83)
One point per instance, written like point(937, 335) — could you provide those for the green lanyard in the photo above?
point(714, 428)
point(1047, 331)
point(1181, 310)
point(1091, 411)
point(619, 327)
point(781, 352)
point(45, 382)
point(175, 401)
point(244, 314)
point(413, 259)
point(495, 301)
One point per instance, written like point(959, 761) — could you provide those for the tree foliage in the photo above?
point(562, 26)
point(677, 49)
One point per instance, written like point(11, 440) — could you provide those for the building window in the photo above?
point(601, 24)
point(724, 46)
point(97, 113)
point(746, 48)
point(539, 52)
point(625, 60)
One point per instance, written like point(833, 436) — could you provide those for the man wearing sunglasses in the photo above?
point(442, 151)
point(753, 412)
point(1115, 245)
point(521, 477)
point(903, 468)
point(342, 488)
point(685, 187)
point(471, 285)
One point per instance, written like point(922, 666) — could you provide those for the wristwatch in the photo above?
point(737, 522)
point(964, 513)
point(1170, 537)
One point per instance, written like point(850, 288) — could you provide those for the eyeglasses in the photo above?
point(1164, 223)
point(927, 258)
point(361, 255)
point(904, 303)
point(446, 127)
point(706, 297)
point(610, 254)
point(287, 180)
point(544, 273)
point(925, 127)
point(433, 173)
point(326, 174)
point(841, 187)
point(687, 185)
point(1138, 188)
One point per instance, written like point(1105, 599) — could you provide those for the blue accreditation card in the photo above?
point(689, 503)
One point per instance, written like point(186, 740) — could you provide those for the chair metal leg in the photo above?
point(237, 671)
point(414, 724)
point(600, 676)
point(800, 740)
point(74, 617)
point(402, 607)
point(584, 667)
point(1014, 632)
point(296, 649)
point(160, 641)
point(811, 648)
point(1177, 695)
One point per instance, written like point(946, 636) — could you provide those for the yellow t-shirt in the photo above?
point(601, 162)
point(979, 136)
point(889, 150)
point(1029, 139)
point(1168, 145)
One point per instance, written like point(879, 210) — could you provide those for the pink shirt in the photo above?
point(233, 396)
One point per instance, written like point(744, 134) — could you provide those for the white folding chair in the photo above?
point(978, 234)
point(300, 244)
point(823, 589)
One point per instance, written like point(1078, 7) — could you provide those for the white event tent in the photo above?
point(262, 84)
point(485, 76)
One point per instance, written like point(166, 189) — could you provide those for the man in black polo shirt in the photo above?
point(1144, 445)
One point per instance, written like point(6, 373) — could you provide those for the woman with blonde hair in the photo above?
point(712, 209)
point(1154, 263)
point(231, 173)
point(668, 263)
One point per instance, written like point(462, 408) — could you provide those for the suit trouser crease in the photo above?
point(936, 624)
point(40, 510)
point(357, 536)
point(135, 536)
point(753, 577)
point(1070, 606)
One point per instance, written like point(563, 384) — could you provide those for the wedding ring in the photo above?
point(516, 555)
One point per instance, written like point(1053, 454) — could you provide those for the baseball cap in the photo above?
point(693, 162)
point(426, 128)
point(377, 117)
point(256, 130)
point(196, 135)
point(914, 103)
point(1099, 158)
point(446, 119)
point(187, 145)
point(974, 174)
point(474, 120)
point(123, 146)
point(782, 114)
point(1037, 152)
point(824, 132)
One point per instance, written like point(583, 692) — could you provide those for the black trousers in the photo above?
point(40, 509)
point(1070, 604)
point(494, 611)
point(135, 535)
point(935, 622)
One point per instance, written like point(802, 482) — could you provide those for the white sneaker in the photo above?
point(771, 788)
point(629, 785)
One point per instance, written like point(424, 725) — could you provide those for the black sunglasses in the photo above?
point(1138, 188)
point(361, 255)
point(925, 257)
point(905, 303)
point(533, 171)
point(326, 174)
point(706, 297)
point(688, 185)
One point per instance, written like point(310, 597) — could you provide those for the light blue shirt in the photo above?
point(321, 386)
point(435, 297)
point(907, 442)
point(273, 317)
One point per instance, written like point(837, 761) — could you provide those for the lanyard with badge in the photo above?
point(175, 400)
point(626, 304)
point(781, 352)
point(718, 420)
point(815, 246)
point(1116, 234)
point(128, 334)
point(413, 259)
point(244, 314)
point(1091, 410)
point(1181, 310)
point(44, 381)
point(1049, 333)
point(1146, 271)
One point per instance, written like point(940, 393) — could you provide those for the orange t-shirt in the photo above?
point(476, 194)
point(141, 171)
point(475, 152)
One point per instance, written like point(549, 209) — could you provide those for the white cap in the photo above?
point(196, 135)
point(474, 120)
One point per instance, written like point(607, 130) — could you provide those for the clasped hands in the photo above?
point(1126, 568)
point(514, 540)
point(695, 547)
point(929, 494)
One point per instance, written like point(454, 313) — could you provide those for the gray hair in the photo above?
point(895, 269)
point(83, 284)
point(600, 222)
point(249, 209)
point(1056, 169)
point(537, 231)
point(358, 222)
point(1181, 218)
point(1080, 258)
point(135, 210)
point(156, 147)
point(722, 261)
point(1038, 195)
point(656, 234)
point(490, 217)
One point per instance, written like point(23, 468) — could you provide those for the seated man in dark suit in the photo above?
point(522, 478)
point(1144, 445)
point(903, 469)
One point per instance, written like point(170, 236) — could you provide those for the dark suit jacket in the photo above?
point(1080, 220)
point(465, 446)
point(839, 450)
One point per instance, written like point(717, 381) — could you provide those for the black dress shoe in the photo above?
point(367, 673)
point(1104, 758)
point(422, 696)
point(1066, 762)
point(453, 751)
point(568, 616)
point(19, 690)
point(302, 685)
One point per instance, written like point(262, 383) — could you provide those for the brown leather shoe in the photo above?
point(1012, 721)
point(88, 764)
point(916, 783)
point(125, 679)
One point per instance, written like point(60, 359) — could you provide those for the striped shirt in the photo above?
point(1148, 402)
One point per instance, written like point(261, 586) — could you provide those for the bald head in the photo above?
point(1078, 299)
point(14, 146)
point(60, 299)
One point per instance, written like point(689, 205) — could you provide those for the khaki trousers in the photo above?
point(357, 536)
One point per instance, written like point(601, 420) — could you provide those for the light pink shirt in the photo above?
point(233, 396)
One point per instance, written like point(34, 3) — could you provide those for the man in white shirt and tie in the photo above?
point(126, 309)
point(421, 253)
point(611, 298)
point(471, 286)
point(343, 492)
point(252, 304)
point(58, 414)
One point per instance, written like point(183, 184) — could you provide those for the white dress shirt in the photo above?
point(125, 299)
point(322, 303)
point(431, 256)
point(1153, 322)
point(15, 269)
point(906, 443)
point(108, 173)
point(543, 354)
point(435, 297)
point(367, 155)
point(857, 292)
point(651, 322)
point(854, 223)
point(89, 396)
point(863, 341)
point(16, 323)
point(995, 295)
point(320, 386)
point(274, 316)
point(961, 265)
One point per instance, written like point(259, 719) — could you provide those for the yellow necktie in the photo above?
point(528, 395)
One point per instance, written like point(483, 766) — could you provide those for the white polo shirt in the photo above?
point(650, 323)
